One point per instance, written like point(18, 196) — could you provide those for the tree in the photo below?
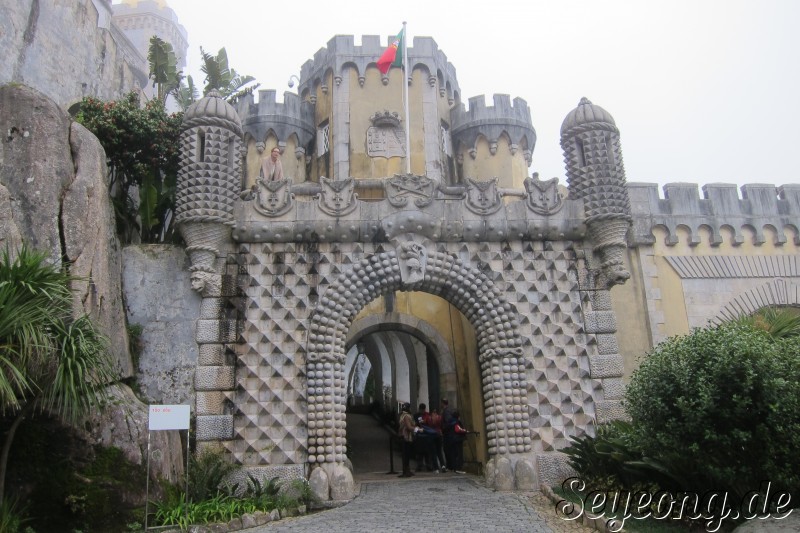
point(186, 94)
point(142, 149)
point(163, 69)
point(221, 78)
point(51, 362)
point(779, 322)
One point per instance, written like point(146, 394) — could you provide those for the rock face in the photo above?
point(159, 297)
point(123, 424)
point(53, 196)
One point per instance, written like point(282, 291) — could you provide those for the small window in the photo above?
point(201, 146)
point(323, 139)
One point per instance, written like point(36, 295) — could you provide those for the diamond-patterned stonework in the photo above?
point(523, 301)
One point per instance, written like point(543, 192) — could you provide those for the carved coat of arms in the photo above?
point(401, 188)
point(543, 198)
point(483, 198)
point(272, 198)
point(337, 197)
point(385, 138)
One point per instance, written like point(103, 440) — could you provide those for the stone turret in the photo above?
point(209, 182)
point(513, 119)
point(596, 175)
point(506, 122)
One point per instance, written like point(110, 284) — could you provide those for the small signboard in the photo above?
point(168, 417)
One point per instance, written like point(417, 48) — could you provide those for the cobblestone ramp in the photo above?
point(436, 504)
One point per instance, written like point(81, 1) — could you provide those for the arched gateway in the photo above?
point(285, 268)
point(494, 320)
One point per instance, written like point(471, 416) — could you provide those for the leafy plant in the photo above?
point(142, 149)
point(12, 515)
point(721, 408)
point(163, 68)
point(51, 362)
point(222, 78)
point(208, 472)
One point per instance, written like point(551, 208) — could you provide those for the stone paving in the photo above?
point(436, 504)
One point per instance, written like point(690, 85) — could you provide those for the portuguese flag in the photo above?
point(392, 56)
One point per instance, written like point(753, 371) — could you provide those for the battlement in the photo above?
point(293, 115)
point(341, 51)
point(759, 205)
point(511, 117)
point(503, 107)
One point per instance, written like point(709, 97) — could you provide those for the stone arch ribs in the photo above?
point(776, 292)
point(471, 292)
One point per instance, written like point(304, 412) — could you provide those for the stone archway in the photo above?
point(778, 292)
point(423, 331)
point(415, 269)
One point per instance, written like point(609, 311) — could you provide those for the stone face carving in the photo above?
point(337, 198)
point(273, 198)
point(482, 197)
point(402, 187)
point(543, 198)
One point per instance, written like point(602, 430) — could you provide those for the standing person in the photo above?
point(406, 428)
point(438, 441)
point(271, 168)
point(448, 436)
point(459, 436)
point(423, 445)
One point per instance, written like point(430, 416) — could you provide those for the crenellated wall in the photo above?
point(700, 259)
point(341, 52)
point(760, 205)
point(292, 116)
point(505, 116)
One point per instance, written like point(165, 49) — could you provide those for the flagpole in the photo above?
point(406, 75)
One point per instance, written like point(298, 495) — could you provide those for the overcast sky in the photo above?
point(703, 91)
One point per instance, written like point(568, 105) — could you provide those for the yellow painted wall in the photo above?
point(651, 272)
point(512, 169)
point(456, 331)
point(630, 307)
point(292, 167)
point(364, 102)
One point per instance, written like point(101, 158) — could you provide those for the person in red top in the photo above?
point(438, 441)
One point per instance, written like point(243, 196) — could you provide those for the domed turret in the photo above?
point(212, 110)
point(209, 182)
point(586, 113)
point(595, 173)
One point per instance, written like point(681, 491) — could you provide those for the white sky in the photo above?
point(702, 91)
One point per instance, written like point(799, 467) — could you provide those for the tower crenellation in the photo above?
point(506, 116)
point(292, 116)
point(341, 51)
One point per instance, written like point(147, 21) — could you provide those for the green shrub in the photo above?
point(720, 408)
point(208, 472)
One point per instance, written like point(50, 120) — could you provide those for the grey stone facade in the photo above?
point(524, 277)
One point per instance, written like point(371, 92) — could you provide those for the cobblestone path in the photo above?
point(436, 505)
